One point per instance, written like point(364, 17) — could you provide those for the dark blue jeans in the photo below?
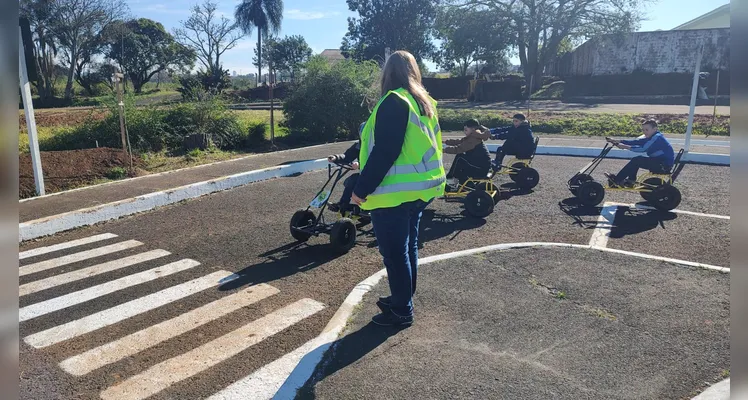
point(631, 170)
point(396, 230)
point(348, 185)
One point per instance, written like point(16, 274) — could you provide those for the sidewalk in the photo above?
point(55, 204)
point(36, 208)
point(528, 324)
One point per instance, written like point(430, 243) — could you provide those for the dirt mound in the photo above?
point(63, 118)
point(65, 170)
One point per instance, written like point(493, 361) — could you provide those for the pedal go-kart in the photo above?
point(657, 189)
point(479, 196)
point(520, 171)
point(306, 223)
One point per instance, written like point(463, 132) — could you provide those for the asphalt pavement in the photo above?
point(87, 305)
point(539, 324)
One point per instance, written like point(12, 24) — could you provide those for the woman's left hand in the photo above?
point(355, 165)
point(357, 199)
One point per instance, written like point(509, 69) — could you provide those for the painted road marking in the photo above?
point(132, 344)
point(82, 296)
point(65, 245)
point(48, 283)
point(604, 226)
point(72, 258)
point(122, 312)
point(169, 372)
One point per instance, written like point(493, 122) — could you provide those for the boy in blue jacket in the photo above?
point(518, 140)
point(659, 160)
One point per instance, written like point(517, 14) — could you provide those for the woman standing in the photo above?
point(401, 173)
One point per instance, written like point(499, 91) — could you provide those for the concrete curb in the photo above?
point(171, 172)
point(718, 391)
point(89, 216)
point(92, 215)
point(326, 340)
point(699, 158)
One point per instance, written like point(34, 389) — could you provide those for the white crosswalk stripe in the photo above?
point(122, 312)
point(76, 257)
point(48, 283)
point(153, 335)
point(62, 246)
point(165, 374)
point(81, 296)
point(190, 361)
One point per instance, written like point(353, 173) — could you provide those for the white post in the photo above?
point(694, 92)
point(28, 108)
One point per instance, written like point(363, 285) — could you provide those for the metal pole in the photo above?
point(694, 91)
point(117, 77)
point(529, 94)
point(28, 108)
point(272, 102)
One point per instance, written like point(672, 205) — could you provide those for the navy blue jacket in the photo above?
point(656, 146)
point(389, 136)
point(518, 140)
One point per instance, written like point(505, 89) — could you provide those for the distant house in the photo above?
point(332, 55)
point(717, 18)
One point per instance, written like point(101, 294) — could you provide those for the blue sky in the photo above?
point(323, 22)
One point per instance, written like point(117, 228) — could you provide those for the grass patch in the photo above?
point(163, 161)
point(553, 90)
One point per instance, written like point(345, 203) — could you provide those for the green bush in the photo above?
point(153, 128)
point(327, 104)
point(116, 173)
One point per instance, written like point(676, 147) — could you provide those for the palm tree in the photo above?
point(266, 16)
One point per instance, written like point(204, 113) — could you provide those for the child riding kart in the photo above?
point(518, 140)
point(472, 158)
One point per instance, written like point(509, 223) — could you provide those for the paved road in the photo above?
point(556, 105)
point(127, 319)
point(540, 323)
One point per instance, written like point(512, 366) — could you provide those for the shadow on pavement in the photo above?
point(511, 189)
point(435, 226)
point(577, 211)
point(347, 350)
point(281, 262)
point(632, 221)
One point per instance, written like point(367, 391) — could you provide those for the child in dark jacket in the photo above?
point(659, 160)
point(473, 159)
point(349, 157)
point(518, 140)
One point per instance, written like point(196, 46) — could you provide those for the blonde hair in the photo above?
point(401, 71)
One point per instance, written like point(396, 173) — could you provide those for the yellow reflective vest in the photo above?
point(418, 172)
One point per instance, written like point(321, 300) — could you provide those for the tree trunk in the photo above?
point(259, 56)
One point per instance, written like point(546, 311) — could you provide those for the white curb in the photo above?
point(718, 391)
point(233, 160)
point(701, 158)
point(89, 216)
point(326, 341)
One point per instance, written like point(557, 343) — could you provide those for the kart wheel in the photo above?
point(518, 167)
point(479, 204)
point(576, 181)
point(665, 197)
point(301, 219)
point(527, 178)
point(656, 183)
point(590, 193)
point(343, 235)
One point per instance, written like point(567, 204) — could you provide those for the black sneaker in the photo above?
point(384, 304)
point(334, 207)
point(390, 319)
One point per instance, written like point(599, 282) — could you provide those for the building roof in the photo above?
point(703, 18)
point(332, 55)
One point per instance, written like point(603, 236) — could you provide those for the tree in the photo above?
point(540, 26)
point(288, 55)
point(78, 25)
point(208, 36)
point(468, 37)
point(143, 48)
point(265, 15)
point(399, 25)
point(39, 14)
